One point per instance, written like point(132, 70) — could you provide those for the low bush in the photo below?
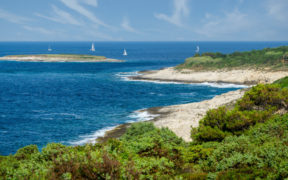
point(264, 97)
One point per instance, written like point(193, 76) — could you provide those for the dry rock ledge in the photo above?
point(58, 58)
point(235, 76)
point(180, 118)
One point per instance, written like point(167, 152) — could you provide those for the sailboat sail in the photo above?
point(92, 47)
point(197, 49)
point(125, 53)
point(49, 48)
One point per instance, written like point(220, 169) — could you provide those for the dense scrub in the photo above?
point(268, 57)
point(144, 152)
point(249, 141)
point(256, 106)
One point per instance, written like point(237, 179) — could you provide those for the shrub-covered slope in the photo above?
point(266, 58)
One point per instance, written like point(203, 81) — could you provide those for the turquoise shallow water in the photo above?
point(73, 103)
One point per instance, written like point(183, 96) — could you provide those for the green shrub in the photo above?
point(215, 118)
point(243, 174)
point(194, 153)
point(195, 176)
point(264, 97)
point(137, 129)
point(207, 133)
point(153, 143)
point(26, 152)
point(238, 121)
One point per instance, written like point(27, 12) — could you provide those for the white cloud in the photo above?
point(91, 2)
point(278, 9)
point(180, 11)
point(233, 22)
point(61, 17)
point(76, 6)
point(13, 17)
point(38, 30)
point(126, 25)
point(93, 33)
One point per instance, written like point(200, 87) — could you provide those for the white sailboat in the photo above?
point(125, 53)
point(92, 47)
point(197, 49)
point(49, 48)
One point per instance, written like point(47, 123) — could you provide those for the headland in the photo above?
point(242, 68)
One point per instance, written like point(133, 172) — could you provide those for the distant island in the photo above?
point(59, 58)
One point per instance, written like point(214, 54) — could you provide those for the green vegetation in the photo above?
point(256, 106)
point(282, 82)
point(66, 56)
point(248, 141)
point(144, 152)
point(266, 58)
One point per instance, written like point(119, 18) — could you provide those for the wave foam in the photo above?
point(224, 85)
point(92, 137)
point(125, 75)
point(141, 115)
point(156, 81)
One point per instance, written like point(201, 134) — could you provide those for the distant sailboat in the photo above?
point(197, 49)
point(125, 53)
point(92, 47)
point(49, 48)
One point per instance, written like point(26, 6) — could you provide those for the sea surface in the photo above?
point(74, 103)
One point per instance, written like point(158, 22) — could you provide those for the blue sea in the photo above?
point(74, 103)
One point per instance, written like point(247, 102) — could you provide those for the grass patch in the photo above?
point(283, 83)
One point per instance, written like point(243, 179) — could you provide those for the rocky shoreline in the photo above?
point(233, 76)
point(180, 118)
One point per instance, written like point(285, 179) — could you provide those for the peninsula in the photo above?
point(249, 68)
point(252, 67)
point(59, 58)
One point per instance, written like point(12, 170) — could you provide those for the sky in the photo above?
point(143, 20)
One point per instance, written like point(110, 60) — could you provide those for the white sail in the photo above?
point(125, 53)
point(92, 47)
point(49, 48)
point(197, 49)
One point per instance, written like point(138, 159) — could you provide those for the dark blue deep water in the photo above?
point(73, 103)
